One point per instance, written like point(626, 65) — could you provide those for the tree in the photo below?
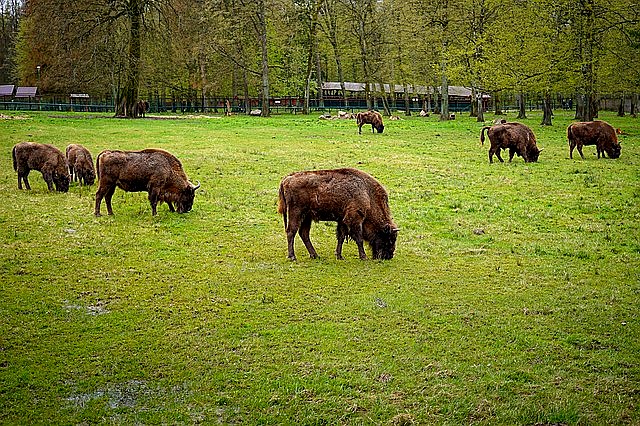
point(328, 21)
point(10, 12)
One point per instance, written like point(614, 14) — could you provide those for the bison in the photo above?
point(80, 164)
point(45, 158)
point(350, 197)
point(370, 117)
point(598, 133)
point(155, 171)
point(517, 137)
point(140, 108)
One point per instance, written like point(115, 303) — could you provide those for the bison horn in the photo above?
point(541, 149)
point(197, 186)
point(395, 229)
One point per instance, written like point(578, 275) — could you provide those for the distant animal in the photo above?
point(370, 117)
point(155, 171)
point(80, 164)
point(44, 158)
point(598, 133)
point(140, 108)
point(350, 197)
point(516, 137)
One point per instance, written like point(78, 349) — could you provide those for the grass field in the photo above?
point(513, 297)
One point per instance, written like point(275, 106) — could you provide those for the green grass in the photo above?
point(512, 299)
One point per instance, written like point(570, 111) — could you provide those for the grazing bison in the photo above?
point(45, 158)
point(140, 108)
point(80, 164)
point(598, 133)
point(370, 117)
point(517, 137)
point(153, 170)
point(350, 197)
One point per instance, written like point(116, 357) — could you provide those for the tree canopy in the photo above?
point(269, 48)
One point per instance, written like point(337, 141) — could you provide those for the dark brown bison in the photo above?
point(350, 197)
point(598, 133)
point(140, 108)
point(45, 158)
point(155, 171)
point(370, 117)
point(516, 137)
point(80, 164)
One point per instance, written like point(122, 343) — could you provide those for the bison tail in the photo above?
point(15, 160)
point(570, 134)
point(98, 166)
point(482, 134)
point(282, 205)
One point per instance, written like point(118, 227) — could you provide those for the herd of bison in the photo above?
point(352, 198)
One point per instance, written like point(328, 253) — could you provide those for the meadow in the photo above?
point(513, 296)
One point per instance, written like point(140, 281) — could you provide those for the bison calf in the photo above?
point(516, 137)
point(350, 197)
point(370, 117)
point(45, 158)
point(155, 171)
point(80, 164)
point(598, 133)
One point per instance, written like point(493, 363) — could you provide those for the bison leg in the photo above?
point(494, 151)
point(305, 228)
point(373, 129)
point(23, 176)
point(49, 179)
point(353, 221)
point(99, 196)
point(107, 199)
point(572, 146)
point(171, 209)
point(357, 237)
point(292, 230)
point(512, 152)
point(341, 233)
point(580, 151)
point(106, 192)
point(359, 129)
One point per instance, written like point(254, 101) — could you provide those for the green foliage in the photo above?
point(512, 298)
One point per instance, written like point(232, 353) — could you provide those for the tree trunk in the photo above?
point(547, 112)
point(480, 108)
point(319, 77)
point(522, 111)
point(128, 97)
point(496, 104)
point(262, 35)
point(579, 107)
point(444, 90)
point(621, 107)
point(310, 57)
point(407, 102)
point(473, 105)
point(634, 99)
point(588, 60)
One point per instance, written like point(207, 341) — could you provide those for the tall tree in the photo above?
point(10, 13)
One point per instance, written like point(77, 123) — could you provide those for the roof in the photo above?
point(26, 92)
point(418, 90)
point(7, 89)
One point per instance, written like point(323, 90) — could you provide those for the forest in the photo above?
point(240, 49)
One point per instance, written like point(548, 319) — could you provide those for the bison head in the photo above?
point(613, 151)
point(89, 177)
point(383, 243)
point(61, 181)
point(184, 203)
point(379, 127)
point(533, 154)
